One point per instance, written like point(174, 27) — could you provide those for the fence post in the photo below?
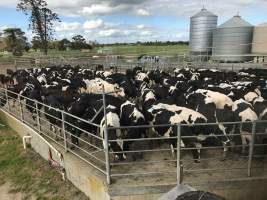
point(37, 116)
point(179, 167)
point(106, 138)
point(251, 148)
point(64, 131)
point(21, 109)
point(8, 105)
point(15, 65)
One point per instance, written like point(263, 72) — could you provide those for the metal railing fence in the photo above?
point(156, 160)
point(125, 62)
point(90, 147)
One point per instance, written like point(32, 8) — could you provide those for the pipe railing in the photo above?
point(89, 152)
point(99, 157)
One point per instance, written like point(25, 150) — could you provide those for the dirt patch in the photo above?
point(6, 193)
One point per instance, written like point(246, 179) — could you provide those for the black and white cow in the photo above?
point(245, 113)
point(53, 112)
point(171, 114)
point(112, 119)
point(130, 115)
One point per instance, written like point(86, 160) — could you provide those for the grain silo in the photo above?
point(201, 26)
point(259, 45)
point(231, 40)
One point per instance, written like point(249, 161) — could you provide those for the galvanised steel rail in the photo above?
point(99, 156)
point(86, 152)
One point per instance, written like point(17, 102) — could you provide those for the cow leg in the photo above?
point(60, 132)
point(56, 132)
point(172, 151)
point(195, 154)
point(74, 140)
point(244, 142)
point(34, 118)
point(198, 146)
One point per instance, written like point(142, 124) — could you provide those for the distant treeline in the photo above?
point(150, 43)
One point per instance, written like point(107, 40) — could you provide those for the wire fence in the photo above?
point(151, 156)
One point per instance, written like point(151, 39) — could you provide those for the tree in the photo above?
point(36, 43)
point(64, 44)
point(15, 40)
point(78, 42)
point(41, 20)
point(53, 44)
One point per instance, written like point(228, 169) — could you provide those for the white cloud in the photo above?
point(93, 24)
point(140, 26)
point(142, 12)
point(97, 9)
point(65, 26)
point(145, 33)
point(108, 33)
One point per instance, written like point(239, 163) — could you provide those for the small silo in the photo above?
point(259, 43)
point(201, 26)
point(231, 40)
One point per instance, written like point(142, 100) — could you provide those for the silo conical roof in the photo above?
point(204, 13)
point(235, 21)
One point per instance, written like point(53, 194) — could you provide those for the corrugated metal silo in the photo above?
point(201, 26)
point(259, 45)
point(231, 40)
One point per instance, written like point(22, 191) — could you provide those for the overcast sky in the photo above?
point(109, 21)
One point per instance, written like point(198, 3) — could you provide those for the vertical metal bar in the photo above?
point(8, 104)
point(251, 148)
point(106, 138)
point(21, 109)
point(64, 131)
point(179, 175)
point(37, 116)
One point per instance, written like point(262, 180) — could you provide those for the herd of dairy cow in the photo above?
point(139, 97)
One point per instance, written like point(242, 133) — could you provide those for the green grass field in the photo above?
point(151, 50)
point(29, 174)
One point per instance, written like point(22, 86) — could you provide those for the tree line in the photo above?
point(15, 41)
point(41, 22)
point(151, 43)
